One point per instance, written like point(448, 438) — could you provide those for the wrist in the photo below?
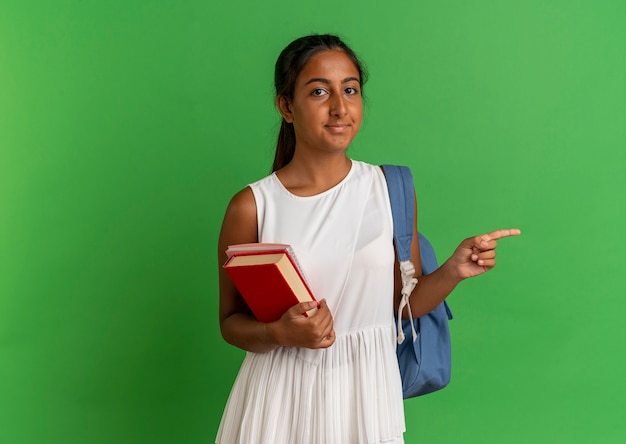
point(450, 273)
point(271, 335)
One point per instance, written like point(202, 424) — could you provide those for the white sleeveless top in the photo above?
point(350, 392)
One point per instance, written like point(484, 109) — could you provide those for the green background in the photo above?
point(125, 127)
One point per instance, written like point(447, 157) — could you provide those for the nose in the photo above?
point(338, 106)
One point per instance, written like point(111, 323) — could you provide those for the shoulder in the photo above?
point(263, 182)
point(245, 201)
point(364, 166)
point(398, 172)
point(240, 222)
point(242, 205)
point(365, 169)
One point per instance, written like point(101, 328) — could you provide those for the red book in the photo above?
point(268, 278)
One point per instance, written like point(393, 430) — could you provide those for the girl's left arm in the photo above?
point(474, 256)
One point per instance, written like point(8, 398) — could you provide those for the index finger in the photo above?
point(499, 234)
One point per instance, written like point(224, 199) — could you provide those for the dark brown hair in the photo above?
point(289, 65)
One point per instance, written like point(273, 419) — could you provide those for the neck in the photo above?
point(310, 175)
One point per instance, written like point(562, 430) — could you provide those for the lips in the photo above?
point(337, 127)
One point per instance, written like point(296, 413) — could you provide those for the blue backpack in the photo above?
point(425, 362)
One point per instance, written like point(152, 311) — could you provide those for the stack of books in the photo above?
point(269, 279)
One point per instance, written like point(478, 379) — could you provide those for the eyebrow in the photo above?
point(326, 81)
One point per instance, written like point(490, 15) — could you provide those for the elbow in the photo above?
point(227, 332)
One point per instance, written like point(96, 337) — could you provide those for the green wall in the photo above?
point(125, 127)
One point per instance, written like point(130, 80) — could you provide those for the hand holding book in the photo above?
point(273, 285)
point(295, 330)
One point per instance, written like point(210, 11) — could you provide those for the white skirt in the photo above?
point(348, 393)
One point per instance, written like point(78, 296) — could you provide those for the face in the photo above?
point(327, 109)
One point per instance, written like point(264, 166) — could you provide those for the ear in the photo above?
point(284, 108)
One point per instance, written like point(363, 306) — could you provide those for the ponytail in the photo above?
point(285, 147)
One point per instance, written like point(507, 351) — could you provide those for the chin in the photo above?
point(341, 144)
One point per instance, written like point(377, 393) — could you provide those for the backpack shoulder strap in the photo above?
point(400, 186)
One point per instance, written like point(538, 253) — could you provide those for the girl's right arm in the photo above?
point(237, 324)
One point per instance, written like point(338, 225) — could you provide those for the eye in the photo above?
point(318, 92)
point(351, 90)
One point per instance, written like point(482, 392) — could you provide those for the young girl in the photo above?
point(332, 377)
